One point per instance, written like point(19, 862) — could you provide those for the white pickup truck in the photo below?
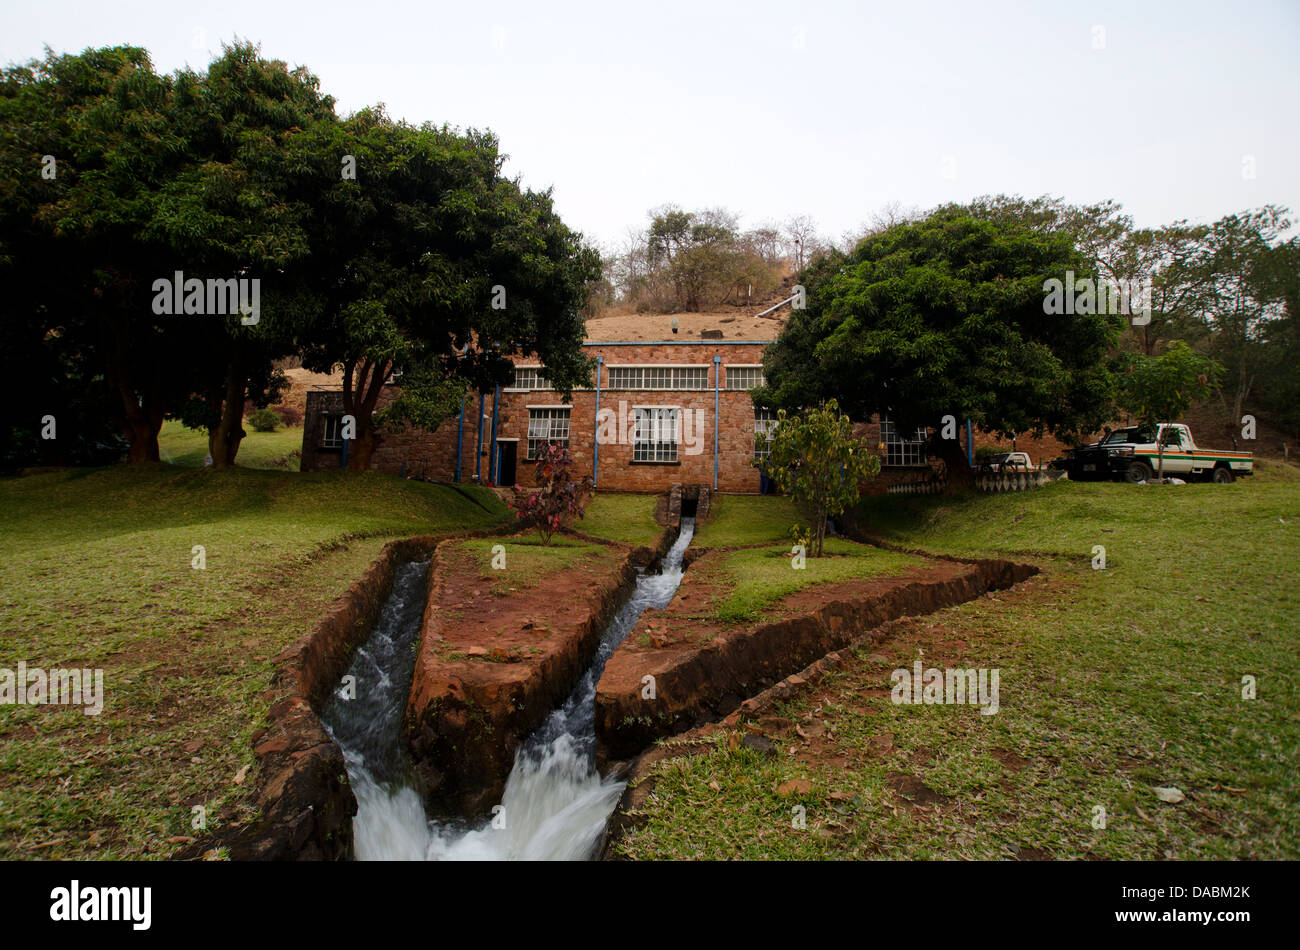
point(1132, 453)
point(1008, 462)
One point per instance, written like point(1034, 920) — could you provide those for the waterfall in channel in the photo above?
point(555, 804)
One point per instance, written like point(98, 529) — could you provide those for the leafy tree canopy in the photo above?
point(945, 316)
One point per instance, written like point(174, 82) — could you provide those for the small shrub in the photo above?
point(815, 459)
point(264, 420)
point(559, 498)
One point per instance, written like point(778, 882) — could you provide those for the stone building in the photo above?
point(668, 405)
point(663, 408)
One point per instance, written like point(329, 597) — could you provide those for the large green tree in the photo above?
point(242, 208)
point(433, 263)
point(945, 317)
point(1278, 381)
point(117, 178)
point(1117, 252)
point(87, 142)
point(1242, 263)
point(373, 245)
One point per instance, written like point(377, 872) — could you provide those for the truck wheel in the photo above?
point(1223, 476)
point(1137, 472)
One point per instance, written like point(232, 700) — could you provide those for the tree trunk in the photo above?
point(224, 439)
point(362, 449)
point(361, 390)
point(143, 420)
point(142, 430)
point(819, 531)
point(956, 466)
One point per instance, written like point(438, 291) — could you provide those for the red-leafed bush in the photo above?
point(289, 416)
point(559, 497)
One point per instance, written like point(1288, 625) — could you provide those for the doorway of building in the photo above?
point(506, 462)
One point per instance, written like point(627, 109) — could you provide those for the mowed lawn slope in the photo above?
point(1113, 683)
point(281, 449)
point(95, 571)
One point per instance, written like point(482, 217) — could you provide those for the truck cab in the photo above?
point(1008, 462)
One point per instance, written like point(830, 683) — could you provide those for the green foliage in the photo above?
point(759, 577)
point(241, 173)
point(264, 420)
point(1161, 388)
point(433, 263)
point(815, 459)
point(1247, 277)
point(945, 316)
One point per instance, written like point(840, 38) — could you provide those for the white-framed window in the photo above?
point(530, 377)
point(741, 376)
point(331, 430)
point(900, 451)
point(659, 377)
point(547, 425)
point(655, 430)
point(764, 428)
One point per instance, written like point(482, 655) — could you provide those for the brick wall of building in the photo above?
point(419, 454)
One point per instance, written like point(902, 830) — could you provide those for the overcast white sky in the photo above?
point(778, 108)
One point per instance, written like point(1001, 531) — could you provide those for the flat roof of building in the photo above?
point(738, 326)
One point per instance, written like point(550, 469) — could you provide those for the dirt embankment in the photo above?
point(491, 667)
point(707, 675)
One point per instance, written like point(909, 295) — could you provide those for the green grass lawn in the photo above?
point(1113, 683)
point(281, 449)
point(628, 518)
point(736, 520)
point(761, 576)
point(96, 571)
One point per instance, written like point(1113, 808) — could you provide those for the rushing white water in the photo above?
point(555, 804)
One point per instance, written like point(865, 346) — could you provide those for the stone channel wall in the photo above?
point(703, 686)
point(304, 800)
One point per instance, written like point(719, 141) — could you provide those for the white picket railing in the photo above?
point(987, 482)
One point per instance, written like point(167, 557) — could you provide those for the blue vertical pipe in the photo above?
point(460, 437)
point(478, 445)
point(494, 462)
point(717, 373)
point(595, 442)
point(343, 459)
point(970, 444)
